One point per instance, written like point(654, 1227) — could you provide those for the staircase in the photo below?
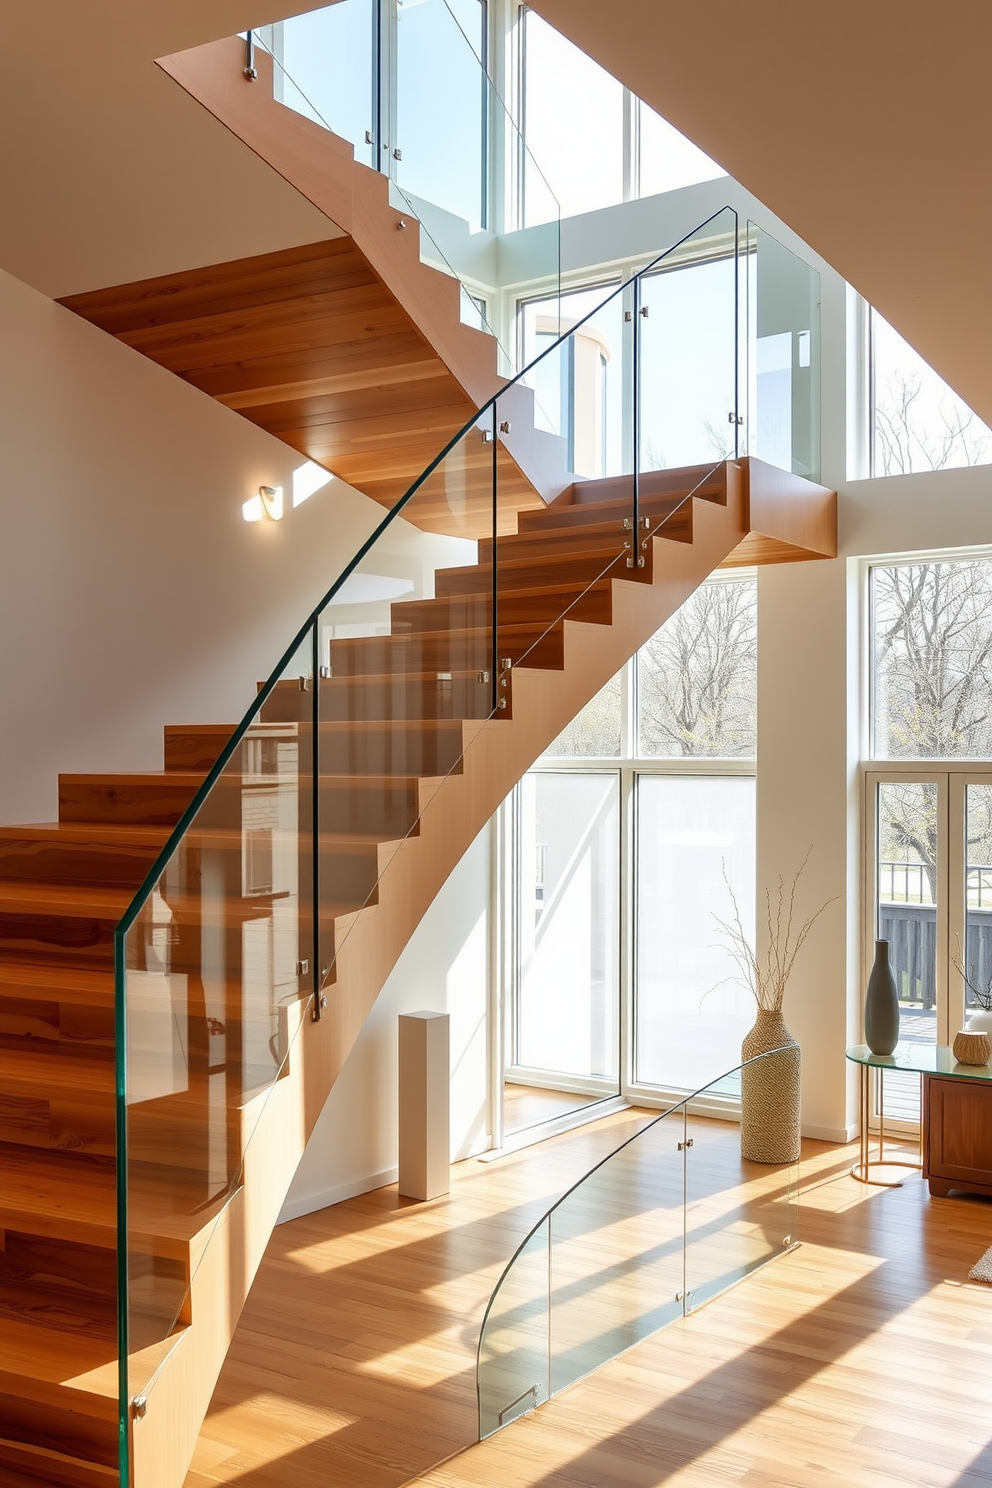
point(351, 351)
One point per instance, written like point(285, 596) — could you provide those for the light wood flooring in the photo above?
point(527, 1105)
point(862, 1358)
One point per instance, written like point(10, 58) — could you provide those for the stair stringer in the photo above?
point(276, 1126)
point(322, 167)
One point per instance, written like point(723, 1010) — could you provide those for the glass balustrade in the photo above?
point(670, 1219)
point(308, 841)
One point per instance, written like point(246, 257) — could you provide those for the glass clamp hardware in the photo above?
point(504, 427)
point(645, 523)
point(302, 968)
point(487, 436)
point(627, 524)
point(644, 311)
point(532, 1390)
point(325, 674)
point(506, 662)
point(685, 1144)
point(483, 677)
point(369, 137)
point(501, 703)
point(397, 154)
point(139, 1407)
point(786, 1241)
point(322, 999)
point(684, 1296)
point(737, 419)
point(305, 684)
point(401, 225)
point(630, 561)
point(628, 317)
point(444, 676)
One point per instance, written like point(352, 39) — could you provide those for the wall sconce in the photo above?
point(268, 504)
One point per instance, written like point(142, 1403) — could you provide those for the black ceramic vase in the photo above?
point(881, 1004)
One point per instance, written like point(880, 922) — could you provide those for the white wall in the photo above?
point(445, 968)
point(132, 592)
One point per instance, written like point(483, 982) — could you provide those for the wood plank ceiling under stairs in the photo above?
point(352, 351)
point(410, 771)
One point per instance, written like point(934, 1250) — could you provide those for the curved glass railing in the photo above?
point(347, 770)
point(409, 88)
point(670, 1219)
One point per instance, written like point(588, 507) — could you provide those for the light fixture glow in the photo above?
point(267, 505)
point(308, 479)
point(252, 509)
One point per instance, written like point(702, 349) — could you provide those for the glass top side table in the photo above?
point(921, 1059)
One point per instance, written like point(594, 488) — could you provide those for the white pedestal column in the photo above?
point(424, 1101)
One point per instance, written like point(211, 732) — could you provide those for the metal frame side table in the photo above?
point(904, 1059)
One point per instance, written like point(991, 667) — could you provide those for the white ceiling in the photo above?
point(866, 125)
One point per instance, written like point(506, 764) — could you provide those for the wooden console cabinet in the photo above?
point(957, 1135)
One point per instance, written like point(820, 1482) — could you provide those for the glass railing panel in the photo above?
point(685, 323)
point(328, 70)
point(739, 1214)
point(783, 356)
point(617, 1252)
point(513, 1363)
point(215, 965)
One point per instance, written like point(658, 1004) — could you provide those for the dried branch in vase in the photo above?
point(980, 990)
point(767, 976)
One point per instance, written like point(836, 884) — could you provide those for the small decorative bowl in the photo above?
point(972, 1046)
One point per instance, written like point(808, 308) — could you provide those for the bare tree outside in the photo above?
point(595, 732)
point(919, 422)
point(696, 678)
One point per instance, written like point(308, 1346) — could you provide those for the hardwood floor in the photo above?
point(860, 1358)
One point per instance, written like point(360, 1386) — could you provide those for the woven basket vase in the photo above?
point(770, 1093)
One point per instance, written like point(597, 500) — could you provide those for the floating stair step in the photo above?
point(54, 1004)
point(155, 798)
point(541, 606)
point(457, 694)
point(110, 855)
point(23, 1466)
point(518, 574)
point(375, 747)
point(444, 650)
point(39, 1405)
point(652, 484)
point(58, 1097)
point(667, 517)
point(550, 542)
point(76, 924)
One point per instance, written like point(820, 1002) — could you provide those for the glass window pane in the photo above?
point(919, 423)
point(697, 677)
point(907, 918)
point(667, 159)
point(690, 1010)
point(687, 356)
point(579, 388)
point(784, 356)
point(932, 654)
point(595, 732)
point(976, 954)
point(441, 104)
point(573, 124)
point(328, 61)
point(568, 945)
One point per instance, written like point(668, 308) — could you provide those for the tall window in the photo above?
point(636, 828)
point(928, 792)
point(596, 143)
point(917, 421)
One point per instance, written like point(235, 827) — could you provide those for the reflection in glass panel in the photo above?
point(567, 1004)
point(441, 104)
point(579, 388)
point(977, 950)
point(694, 835)
point(906, 895)
point(514, 1348)
point(595, 732)
point(932, 660)
point(573, 124)
point(697, 677)
point(784, 316)
point(329, 65)
point(666, 159)
point(918, 422)
point(687, 364)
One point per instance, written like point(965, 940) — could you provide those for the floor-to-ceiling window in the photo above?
point(929, 793)
point(631, 837)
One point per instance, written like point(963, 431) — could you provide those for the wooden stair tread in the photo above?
point(67, 900)
point(30, 1466)
point(39, 1070)
point(36, 978)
